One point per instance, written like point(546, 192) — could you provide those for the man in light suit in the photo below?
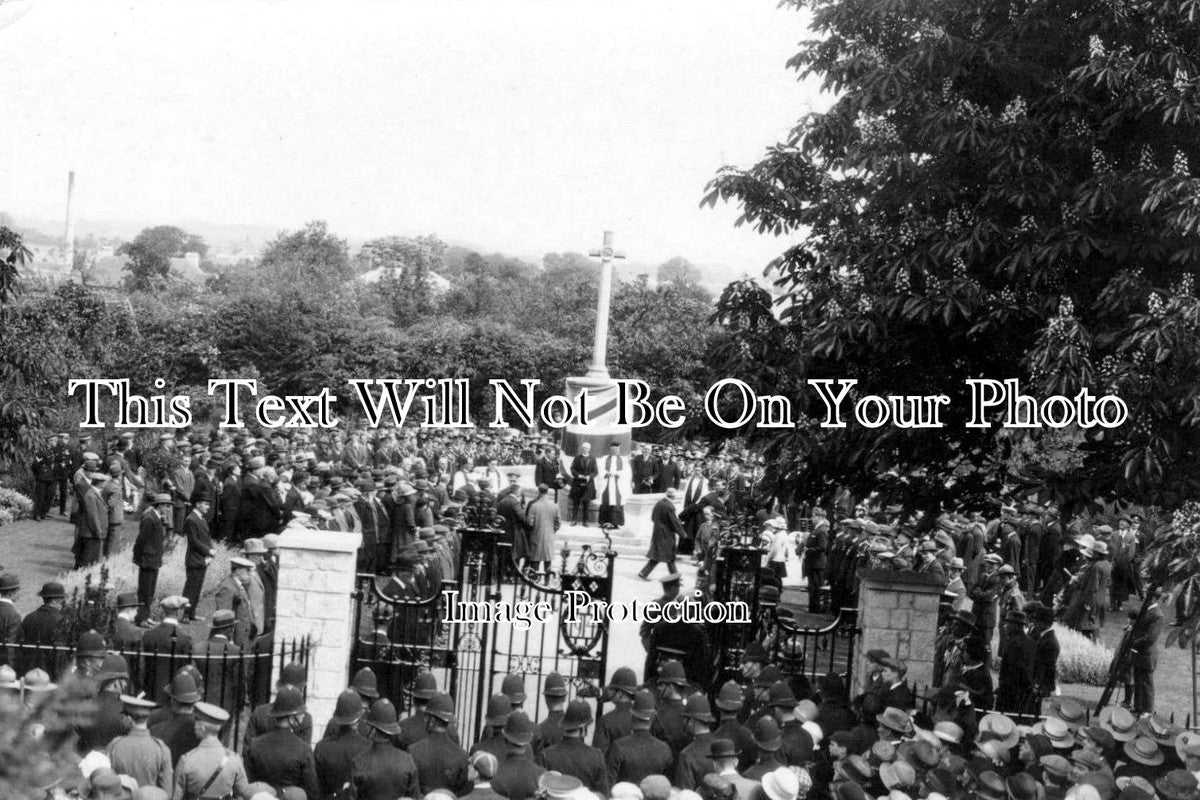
point(91, 522)
point(232, 595)
point(254, 551)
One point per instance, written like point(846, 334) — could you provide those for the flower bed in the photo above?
point(14, 506)
point(1080, 660)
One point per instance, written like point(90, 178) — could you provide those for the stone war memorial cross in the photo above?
point(606, 254)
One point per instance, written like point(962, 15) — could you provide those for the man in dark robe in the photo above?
point(584, 470)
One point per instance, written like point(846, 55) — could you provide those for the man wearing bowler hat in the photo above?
point(221, 685)
point(148, 552)
point(127, 634)
point(40, 626)
point(572, 757)
point(10, 618)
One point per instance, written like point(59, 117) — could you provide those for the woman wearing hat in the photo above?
point(1081, 611)
point(1141, 757)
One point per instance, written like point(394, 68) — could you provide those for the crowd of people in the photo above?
point(680, 732)
point(1007, 580)
point(660, 739)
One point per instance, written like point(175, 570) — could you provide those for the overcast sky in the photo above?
point(518, 125)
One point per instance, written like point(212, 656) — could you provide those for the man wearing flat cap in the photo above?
point(91, 521)
point(233, 595)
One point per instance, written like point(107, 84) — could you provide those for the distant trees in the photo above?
point(408, 262)
point(297, 320)
point(311, 257)
point(678, 270)
point(151, 251)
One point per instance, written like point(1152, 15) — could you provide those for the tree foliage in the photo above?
point(46, 340)
point(151, 251)
point(407, 262)
point(678, 270)
point(663, 336)
point(999, 190)
point(311, 257)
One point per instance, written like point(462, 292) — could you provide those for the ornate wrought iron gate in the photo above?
point(441, 631)
point(811, 650)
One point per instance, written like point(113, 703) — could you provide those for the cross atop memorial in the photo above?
point(606, 254)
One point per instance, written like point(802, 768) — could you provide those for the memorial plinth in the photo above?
point(898, 612)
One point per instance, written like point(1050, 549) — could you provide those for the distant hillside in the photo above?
point(214, 234)
point(252, 238)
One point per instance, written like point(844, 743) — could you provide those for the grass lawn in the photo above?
point(1172, 679)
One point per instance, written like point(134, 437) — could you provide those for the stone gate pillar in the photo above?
point(898, 612)
point(316, 586)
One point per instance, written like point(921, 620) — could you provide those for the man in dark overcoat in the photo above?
point(667, 528)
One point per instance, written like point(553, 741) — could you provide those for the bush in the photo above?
point(117, 574)
point(14, 505)
point(1080, 660)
